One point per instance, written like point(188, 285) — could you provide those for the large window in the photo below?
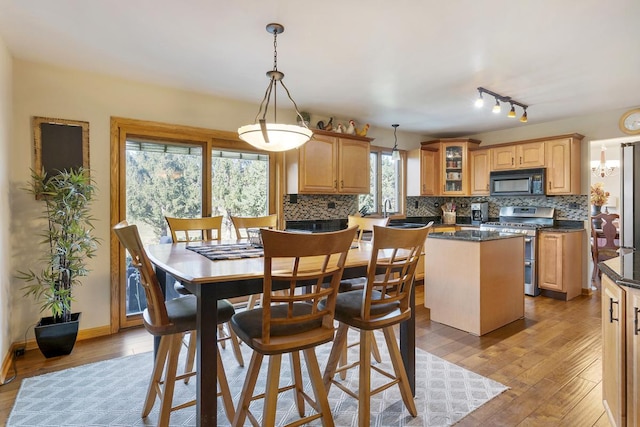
point(386, 185)
point(180, 172)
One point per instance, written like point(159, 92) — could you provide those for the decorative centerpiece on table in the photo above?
point(598, 198)
point(449, 213)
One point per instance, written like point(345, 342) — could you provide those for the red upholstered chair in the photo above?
point(605, 239)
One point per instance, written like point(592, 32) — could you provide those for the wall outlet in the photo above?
point(19, 352)
point(293, 198)
point(416, 204)
point(574, 205)
point(436, 205)
point(331, 205)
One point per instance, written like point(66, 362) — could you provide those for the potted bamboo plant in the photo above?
point(69, 243)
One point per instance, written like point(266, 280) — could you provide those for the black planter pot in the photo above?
point(57, 339)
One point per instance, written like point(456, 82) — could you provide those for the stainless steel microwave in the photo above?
point(519, 182)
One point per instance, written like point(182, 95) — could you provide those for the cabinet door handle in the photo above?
point(520, 160)
point(512, 161)
point(635, 320)
point(487, 187)
point(342, 183)
point(335, 184)
point(611, 318)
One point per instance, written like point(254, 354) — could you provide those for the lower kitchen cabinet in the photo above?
point(620, 353)
point(560, 263)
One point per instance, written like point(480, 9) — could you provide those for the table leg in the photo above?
point(408, 343)
point(207, 374)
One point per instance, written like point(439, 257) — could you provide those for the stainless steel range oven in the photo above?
point(525, 220)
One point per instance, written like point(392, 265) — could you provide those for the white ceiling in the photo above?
point(413, 62)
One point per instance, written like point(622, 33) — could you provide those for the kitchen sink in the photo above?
point(406, 225)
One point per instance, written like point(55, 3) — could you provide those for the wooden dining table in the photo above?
point(211, 280)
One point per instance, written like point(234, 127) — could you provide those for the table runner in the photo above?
point(228, 251)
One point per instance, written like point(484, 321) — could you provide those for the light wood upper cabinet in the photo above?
point(479, 161)
point(423, 172)
point(558, 269)
point(518, 156)
point(454, 165)
point(329, 164)
point(562, 159)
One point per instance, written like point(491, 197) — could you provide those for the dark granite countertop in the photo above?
point(624, 270)
point(473, 235)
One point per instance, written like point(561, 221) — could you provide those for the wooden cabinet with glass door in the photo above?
point(454, 167)
point(329, 164)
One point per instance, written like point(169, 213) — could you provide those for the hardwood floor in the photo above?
point(551, 360)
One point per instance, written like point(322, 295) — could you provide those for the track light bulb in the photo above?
point(512, 112)
point(496, 108)
point(479, 101)
point(524, 119)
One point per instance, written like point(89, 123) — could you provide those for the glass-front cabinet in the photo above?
point(455, 161)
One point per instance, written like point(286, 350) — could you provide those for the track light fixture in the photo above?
point(500, 98)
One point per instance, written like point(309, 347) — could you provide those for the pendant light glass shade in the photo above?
point(395, 154)
point(280, 137)
point(275, 136)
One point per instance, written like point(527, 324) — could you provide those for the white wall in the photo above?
point(5, 142)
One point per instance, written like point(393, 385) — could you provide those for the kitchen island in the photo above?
point(474, 279)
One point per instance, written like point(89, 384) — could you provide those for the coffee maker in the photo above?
point(479, 212)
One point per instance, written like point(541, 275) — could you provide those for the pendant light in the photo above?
point(275, 136)
point(395, 154)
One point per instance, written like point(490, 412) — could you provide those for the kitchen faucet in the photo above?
point(385, 212)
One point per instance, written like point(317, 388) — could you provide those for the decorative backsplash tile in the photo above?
point(315, 207)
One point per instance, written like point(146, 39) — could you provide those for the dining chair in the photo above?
point(198, 230)
point(168, 320)
point(241, 225)
point(382, 303)
point(605, 240)
point(308, 268)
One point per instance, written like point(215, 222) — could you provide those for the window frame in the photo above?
point(402, 182)
point(209, 140)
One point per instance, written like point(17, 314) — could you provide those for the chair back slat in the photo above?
point(241, 224)
point(365, 224)
point(608, 242)
point(392, 267)
point(195, 229)
point(307, 268)
point(130, 239)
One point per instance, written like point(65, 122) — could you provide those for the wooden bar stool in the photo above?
point(199, 230)
point(381, 304)
point(308, 268)
point(241, 224)
point(168, 320)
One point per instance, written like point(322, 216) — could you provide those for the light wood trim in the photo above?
point(206, 138)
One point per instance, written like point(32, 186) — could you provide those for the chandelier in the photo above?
point(275, 136)
point(604, 167)
point(497, 107)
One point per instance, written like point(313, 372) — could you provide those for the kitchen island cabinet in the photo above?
point(329, 163)
point(474, 279)
point(621, 339)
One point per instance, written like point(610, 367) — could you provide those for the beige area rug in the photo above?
point(111, 393)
